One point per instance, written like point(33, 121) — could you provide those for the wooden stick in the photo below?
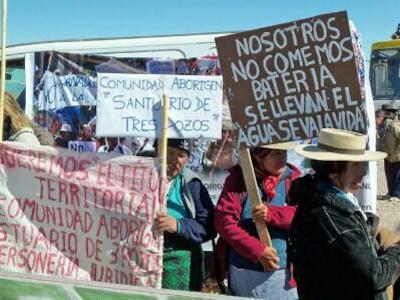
point(218, 154)
point(3, 65)
point(252, 189)
point(162, 144)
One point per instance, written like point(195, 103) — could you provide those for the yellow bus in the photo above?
point(385, 72)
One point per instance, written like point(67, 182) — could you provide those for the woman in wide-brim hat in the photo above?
point(331, 241)
point(254, 269)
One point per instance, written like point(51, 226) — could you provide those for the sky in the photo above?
point(43, 20)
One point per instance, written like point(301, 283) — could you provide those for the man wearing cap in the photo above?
point(64, 137)
point(388, 126)
point(331, 243)
point(187, 223)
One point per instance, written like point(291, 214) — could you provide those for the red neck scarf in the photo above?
point(268, 183)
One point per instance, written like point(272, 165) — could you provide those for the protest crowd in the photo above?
point(97, 208)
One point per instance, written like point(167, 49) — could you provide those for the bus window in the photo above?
point(385, 74)
point(15, 80)
point(380, 80)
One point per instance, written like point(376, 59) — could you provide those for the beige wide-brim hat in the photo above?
point(280, 146)
point(339, 145)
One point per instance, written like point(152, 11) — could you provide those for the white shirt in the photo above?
point(121, 149)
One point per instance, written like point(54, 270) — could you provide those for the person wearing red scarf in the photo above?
point(255, 270)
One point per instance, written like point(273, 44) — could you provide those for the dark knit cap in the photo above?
point(180, 144)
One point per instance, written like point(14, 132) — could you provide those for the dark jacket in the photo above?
point(333, 252)
point(199, 226)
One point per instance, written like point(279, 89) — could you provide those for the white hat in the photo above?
point(339, 145)
point(280, 146)
point(66, 127)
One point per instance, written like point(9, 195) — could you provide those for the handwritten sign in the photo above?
point(56, 91)
point(82, 146)
point(130, 105)
point(79, 216)
point(288, 81)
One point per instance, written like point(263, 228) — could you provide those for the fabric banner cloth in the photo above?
point(80, 216)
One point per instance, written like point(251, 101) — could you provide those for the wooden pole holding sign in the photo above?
point(3, 65)
point(252, 189)
point(163, 142)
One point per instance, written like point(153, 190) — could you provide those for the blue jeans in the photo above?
point(263, 285)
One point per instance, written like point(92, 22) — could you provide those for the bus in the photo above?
point(385, 73)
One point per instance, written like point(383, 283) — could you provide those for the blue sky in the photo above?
point(43, 20)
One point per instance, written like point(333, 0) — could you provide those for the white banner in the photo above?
point(369, 189)
point(79, 215)
point(56, 91)
point(129, 105)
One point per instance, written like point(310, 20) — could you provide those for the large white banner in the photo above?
point(79, 216)
point(130, 105)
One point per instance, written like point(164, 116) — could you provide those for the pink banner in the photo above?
point(80, 215)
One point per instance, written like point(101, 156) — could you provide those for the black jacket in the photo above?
point(332, 250)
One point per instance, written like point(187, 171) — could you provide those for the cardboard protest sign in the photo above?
point(129, 105)
point(79, 216)
point(56, 91)
point(287, 81)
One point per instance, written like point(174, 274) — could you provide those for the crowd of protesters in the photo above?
point(324, 246)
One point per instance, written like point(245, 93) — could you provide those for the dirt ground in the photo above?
point(389, 211)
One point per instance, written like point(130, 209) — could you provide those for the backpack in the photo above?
point(44, 137)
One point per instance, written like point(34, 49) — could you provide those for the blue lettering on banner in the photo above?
point(79, 81)
point(70, 88)
point(51, 95)
point(141, 84)
point(148, 103)
point(190, 125)
point(133, 124)
point(195, 85)
point(215, 116)
point(184, 103)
